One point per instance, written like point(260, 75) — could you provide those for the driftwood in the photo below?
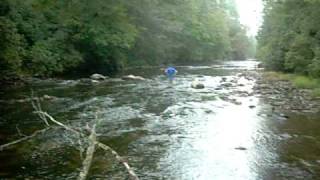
point(90, 151)
point(4, 146)
point(86, 164)
point(92, 139)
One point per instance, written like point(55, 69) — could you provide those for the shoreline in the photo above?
point(282, 95)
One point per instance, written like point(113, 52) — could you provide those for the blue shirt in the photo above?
point(171, 71)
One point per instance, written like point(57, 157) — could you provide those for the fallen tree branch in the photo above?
point(86, 164)
point(120, 159)
point(38, 108)
point(2, 147)
point(101, 145)
point(45, 114)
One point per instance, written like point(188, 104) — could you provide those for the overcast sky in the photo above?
point(250, 12)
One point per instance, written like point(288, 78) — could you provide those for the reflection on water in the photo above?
point(166, 131)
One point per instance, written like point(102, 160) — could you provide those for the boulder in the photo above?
point(133, 77)
point(197, 85)
point(98, 77)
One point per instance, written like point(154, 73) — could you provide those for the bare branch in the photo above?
point(19, 132)
point(45, 114)
point(120, 159)
point(2, 147)
point(101, 145)
point(86, 164)
point(38, 107)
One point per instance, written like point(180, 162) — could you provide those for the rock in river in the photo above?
point(98, 77)
point(197, 85)
point(133, 77)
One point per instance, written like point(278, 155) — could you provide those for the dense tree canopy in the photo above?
point(289, 39)
point(45, 38)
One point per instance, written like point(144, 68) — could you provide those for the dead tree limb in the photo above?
point(101, 145)
point(86, 164)
point(2, 147)
point(120, 159)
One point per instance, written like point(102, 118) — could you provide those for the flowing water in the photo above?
point(164, 130)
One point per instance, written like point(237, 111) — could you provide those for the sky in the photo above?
point(250, 12)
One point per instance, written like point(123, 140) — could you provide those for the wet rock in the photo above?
point(223, 79)
point(237, 103)
point(234, 81)
point(197, 85)
point(241, 148)
point(94, 81)
point(218, 88)
point(252, 106)
point(47, 97)
point(231, 100)
point(226, 84)
point(98, 77)
point(284, 116)
point(133, 77)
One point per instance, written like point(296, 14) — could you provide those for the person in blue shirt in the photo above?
point(171, 72)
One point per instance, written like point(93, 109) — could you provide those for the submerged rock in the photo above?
point(197, 85)
point(223, 79)
point(133, 77)
point(98, 77)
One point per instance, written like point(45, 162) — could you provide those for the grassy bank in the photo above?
point(299, 81)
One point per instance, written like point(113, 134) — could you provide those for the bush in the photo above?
point(305, 82)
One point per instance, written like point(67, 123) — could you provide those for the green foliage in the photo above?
point(11, 48)
point(316, 92)
point(305, 82)
point(46, 38)
point(289, 38)
point(299, 81)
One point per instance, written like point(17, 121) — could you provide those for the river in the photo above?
point(164, 130)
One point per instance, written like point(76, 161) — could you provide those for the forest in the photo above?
point(289, 39)
point(44, 38)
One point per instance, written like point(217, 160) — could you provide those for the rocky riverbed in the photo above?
point(283, 96)
point(239, 125)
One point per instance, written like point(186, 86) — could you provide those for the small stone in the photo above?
point(223, 79)
point(241, 148)
point(226, 84)
point(47, 97)
point(197, 85)
point(133, 77)
point(94, 81)
point(252, 106)
point(237, 102)
point(284, 116)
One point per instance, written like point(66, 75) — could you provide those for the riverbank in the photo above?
point(283, 93)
